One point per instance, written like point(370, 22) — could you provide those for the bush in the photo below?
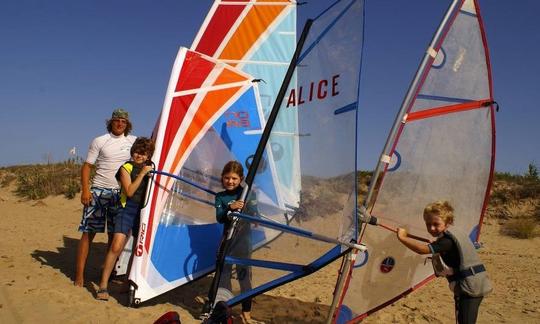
point(41, 180)
point(6, 178)
point(532, 172)
point(522, 228)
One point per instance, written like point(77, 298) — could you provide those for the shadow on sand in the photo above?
point(63, 260)
point(187, 297)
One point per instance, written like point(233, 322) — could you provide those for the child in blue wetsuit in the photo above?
point(133, 178)
point(454, 257)
point(240, 245)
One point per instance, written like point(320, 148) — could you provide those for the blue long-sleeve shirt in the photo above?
point(223, 199)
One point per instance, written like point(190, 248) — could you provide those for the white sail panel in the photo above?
point(444, 150)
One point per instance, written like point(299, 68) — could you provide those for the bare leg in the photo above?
point(117, 245)
point(82, 254)
point(246, 317)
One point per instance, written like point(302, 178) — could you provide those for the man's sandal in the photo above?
point(102, 294)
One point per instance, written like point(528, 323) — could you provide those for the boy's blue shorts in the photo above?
point(101, 211)
point(128, 219)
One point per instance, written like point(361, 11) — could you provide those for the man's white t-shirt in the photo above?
point(108, 152)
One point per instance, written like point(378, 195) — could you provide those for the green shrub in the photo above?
point(532, 172)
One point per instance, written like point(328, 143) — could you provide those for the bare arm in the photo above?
point(130, 187)
point(86, 196)
point(415, 245)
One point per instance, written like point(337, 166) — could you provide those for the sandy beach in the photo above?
point(38, 247)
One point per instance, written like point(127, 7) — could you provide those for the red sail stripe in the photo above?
point(427, 113)
point(223, 19)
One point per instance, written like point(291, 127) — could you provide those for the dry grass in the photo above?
point(515, 203)
point(38, 181)
point(522, 228)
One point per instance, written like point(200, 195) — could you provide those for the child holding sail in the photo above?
point(240, 244)
point(454, 257)
point(133, 179)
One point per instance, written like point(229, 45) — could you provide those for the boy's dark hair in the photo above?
point(235, 167)
point(143, 145)
point(129, 126)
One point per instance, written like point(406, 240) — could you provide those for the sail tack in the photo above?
point(442, 149)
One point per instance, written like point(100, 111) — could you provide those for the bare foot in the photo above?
point(78, 283)
point(246, 318)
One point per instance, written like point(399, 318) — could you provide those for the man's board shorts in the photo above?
point(127, 219)
point(101, 211)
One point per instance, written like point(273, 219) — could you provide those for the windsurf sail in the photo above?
point(259, 38)
point(321, 92)
point(442, 147)
point(213, 112)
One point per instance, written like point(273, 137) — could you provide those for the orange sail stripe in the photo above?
point(228, 76)
point(447, 110)
point(213, 101)
point(256, 22)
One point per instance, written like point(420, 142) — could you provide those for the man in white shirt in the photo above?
point(101, 201)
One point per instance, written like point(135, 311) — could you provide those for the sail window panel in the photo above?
point(387, 269)
point(283, 257)
point(441, 158)
point(459, 73)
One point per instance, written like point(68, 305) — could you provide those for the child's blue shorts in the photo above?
point(128, 219)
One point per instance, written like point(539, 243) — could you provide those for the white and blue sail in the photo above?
point(321, 94)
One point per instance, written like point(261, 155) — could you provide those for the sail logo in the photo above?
point(317, 90)
point(387, 264)
point(140, 245)
point(238, 119)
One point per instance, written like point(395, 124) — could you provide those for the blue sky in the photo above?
point(65, 65)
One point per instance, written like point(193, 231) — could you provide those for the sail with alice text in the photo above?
point(321, 91)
